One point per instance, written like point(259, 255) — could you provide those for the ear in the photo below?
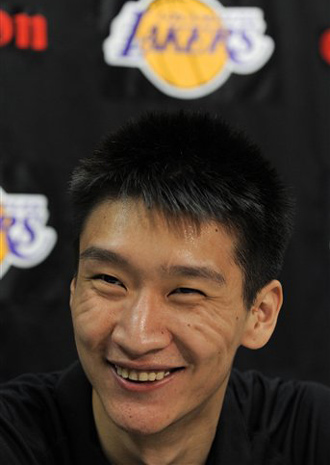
point(262, 317)
point(72, 289)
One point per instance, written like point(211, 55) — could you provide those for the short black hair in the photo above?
point(194, 166)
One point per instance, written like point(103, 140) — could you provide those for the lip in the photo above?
point(145, 386)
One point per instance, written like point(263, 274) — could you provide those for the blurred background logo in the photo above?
point(25, 240)
point(188, 48)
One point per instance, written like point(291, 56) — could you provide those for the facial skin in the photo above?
point(150, 297)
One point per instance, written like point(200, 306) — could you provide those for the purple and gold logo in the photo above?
point(188, 48)
point(25, 240)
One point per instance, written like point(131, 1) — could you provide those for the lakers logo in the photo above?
point(188, 48)
point(25, 240)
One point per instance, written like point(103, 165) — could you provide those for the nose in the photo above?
point(141, 328)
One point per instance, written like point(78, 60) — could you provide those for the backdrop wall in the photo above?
point(71, 71)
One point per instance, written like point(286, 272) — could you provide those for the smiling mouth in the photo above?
point(142, 376)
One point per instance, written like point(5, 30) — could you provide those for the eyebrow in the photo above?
point(183, 271)
point(104, 255)
point(203, 272)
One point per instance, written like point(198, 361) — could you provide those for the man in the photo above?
point(181, 228)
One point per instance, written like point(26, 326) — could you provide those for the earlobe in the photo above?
point(263, 315)
point(72, 288)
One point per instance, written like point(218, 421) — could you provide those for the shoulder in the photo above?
point(29, 383)
point(253, 389)
point(27, 393)
point(295, 416)
point(30, 422)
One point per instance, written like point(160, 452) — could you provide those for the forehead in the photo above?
point(150, 240)
point(119, 214)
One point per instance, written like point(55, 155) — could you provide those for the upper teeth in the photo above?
point(135, 375)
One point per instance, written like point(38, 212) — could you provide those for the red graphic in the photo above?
point(325, 45)
point(29, 32)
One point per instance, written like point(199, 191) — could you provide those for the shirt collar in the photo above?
point(74, 394)
point(231, 445)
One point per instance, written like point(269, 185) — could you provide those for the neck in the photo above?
point(187, 441)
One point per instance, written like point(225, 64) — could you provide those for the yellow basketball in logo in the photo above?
point(183, 42)
point(3, 238)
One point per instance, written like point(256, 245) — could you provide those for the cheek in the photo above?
point(215, 332)
point(93, 320)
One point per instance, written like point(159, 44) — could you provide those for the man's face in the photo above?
point(157, 303)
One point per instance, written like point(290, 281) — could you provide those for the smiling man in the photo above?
point(181, 227)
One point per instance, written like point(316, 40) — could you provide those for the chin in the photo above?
point(140, 423)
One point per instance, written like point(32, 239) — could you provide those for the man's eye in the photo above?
point(109, 279)
point(187, 290)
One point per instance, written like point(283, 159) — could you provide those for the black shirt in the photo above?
point(47, 419)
